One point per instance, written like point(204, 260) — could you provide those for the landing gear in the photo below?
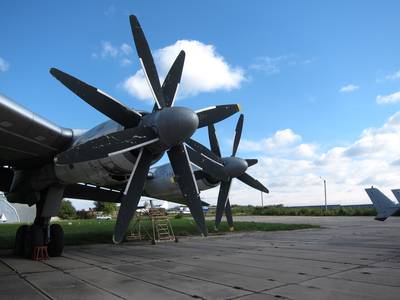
point(39, 240)
point(20, 237)
point(29, 239)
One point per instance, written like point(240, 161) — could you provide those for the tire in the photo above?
point(56, 245)
point(20, 237)
point(28, 244)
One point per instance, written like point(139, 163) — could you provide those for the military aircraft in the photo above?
point(42, 163)
point(383, 205)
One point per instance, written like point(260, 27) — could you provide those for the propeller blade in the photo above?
point(254, 183)
point(228, 214)
point(147, 62)
point(98, 99)
point(108, 145)
point(251, 162)
point(214, 114)
point(238, 134)
point(180, 163)
point(213, 140)
point(209, 166)
point(204, 151)
point(132, 193)
point(173, 79)
point(222, 199)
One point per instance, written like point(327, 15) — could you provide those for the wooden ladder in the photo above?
point(162, 228)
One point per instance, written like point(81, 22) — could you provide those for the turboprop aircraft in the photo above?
point(383, 205)
point(42, 163)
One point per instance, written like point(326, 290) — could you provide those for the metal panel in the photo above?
point(26, 139)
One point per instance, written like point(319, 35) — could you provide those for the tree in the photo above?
point(67, 211)
point(107, 208)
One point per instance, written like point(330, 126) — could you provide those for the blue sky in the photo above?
point(294, 57)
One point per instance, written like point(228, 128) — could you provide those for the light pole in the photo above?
point(326, 203)
point(262, 200)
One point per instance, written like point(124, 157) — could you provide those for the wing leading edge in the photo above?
point(26, 139)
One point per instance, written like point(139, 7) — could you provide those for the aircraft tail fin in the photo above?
point(397, 194)
point(383, 205)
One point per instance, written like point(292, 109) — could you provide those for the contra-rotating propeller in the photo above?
point(148, 135)
point(234, 167)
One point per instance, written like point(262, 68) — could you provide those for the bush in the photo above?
point(178, 216)
point(107, 208)
point(67, 211)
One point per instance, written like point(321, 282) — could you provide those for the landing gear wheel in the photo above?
point(20, 237)
point(176, 239)
point(153, 241)
point(56, 245)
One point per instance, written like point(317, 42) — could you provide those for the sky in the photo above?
point(318, 82)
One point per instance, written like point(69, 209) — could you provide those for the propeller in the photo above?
point(235, 167)
point(147, 136)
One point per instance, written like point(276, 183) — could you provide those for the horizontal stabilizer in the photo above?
point(383, 205)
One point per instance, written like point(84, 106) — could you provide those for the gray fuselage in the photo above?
point(115, 170)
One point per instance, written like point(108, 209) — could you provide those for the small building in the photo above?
point(14, 212)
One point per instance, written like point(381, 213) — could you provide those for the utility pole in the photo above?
point(262, 200)
point(326, 203)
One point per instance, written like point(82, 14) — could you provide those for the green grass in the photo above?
point(78, 232)
point(294, 211)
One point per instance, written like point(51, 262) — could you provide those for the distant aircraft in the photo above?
point(383, 205)
point(42, 163)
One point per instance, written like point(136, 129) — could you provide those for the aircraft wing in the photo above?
point(26, 139)
point(89, 192)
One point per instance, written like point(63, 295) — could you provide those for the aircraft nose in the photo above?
point(176, 124)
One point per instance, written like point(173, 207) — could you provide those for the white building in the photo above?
point(14, 213)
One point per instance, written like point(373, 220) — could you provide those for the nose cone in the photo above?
point(235, 166)
point(176, 124)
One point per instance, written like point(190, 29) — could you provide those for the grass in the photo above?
point(295, 211)
point(79, 232)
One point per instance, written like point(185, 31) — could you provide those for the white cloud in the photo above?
point(278, 141)
point(393, 76)
point(269, 65)
point(274, 65)
point(126, 62)
point(126, 49)
point(390, 77)
point(349, 88)
point(386, 99)
point(122, 53)
point(108, 50)
point(204, 71)
point(306, 150)
point(110, 11)
point(4, 65)
point(292, 171)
